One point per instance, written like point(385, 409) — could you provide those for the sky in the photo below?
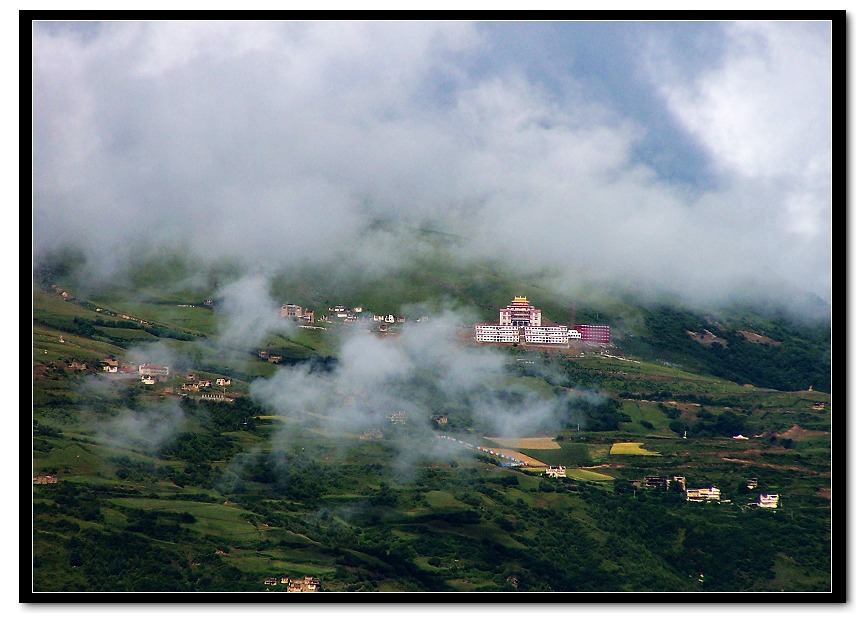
point(681, 158)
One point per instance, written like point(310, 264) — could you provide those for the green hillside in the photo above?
point(157, 491)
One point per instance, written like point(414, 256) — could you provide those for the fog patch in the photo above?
point(246, 313)
point(399, 385)
point(100, 385)
point(158, 353)
point(147, 430)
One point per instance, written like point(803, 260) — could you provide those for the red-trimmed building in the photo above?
point(520, 314)
point(594, 333)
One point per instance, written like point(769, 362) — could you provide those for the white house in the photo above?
point(769, 500)
point(555, 472)
point(706, 494)
point(289, 310)
point(150, 369)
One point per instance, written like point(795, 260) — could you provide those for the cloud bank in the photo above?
point(278, 142)
point(424, 372)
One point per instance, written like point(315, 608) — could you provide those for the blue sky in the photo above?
point(607, 62)
point(684, 158)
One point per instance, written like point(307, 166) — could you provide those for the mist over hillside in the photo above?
point(424, 265)
point(431, 279)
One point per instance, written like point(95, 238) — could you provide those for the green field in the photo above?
point(570, 455)
point(197, 319)
point(641, 412)
point(73, 348)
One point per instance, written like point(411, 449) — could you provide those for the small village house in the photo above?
point(663, 482)
point(556, 472)
point(291, 311)
point(151, 369)
point(706, 494)
point(768, 500)
point(307, 585)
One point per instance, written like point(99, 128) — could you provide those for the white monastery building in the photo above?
point(497, 333)
point(521, 320)
point(546, 335)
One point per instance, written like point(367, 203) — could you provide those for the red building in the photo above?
point(594, 333)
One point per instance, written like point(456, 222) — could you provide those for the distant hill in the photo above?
point(789, 352)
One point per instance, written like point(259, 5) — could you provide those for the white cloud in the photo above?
point(276, 142)
point(765, 114)
point(246, 313)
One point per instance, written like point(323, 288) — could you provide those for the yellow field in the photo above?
point(630, 447)
point(529, 443)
